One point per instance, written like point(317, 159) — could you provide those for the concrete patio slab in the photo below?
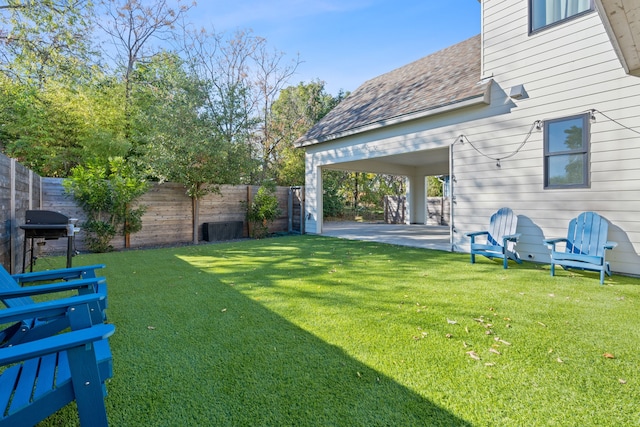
point(416, 235)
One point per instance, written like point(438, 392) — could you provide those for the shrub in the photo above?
point(263, 210)
point(105, 193)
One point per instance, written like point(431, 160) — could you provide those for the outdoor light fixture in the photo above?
point(592, 114)
point(538, 124)
point(517, 92)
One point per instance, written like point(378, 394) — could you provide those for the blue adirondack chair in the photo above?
point(501, 238)
point(13, 295)
point(584, 247)
point(40, 377)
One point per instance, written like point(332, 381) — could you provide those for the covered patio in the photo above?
point(415, 235)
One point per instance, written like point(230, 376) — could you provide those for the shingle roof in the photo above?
point(443, 78)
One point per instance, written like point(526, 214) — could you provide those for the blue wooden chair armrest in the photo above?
point(48, 308)
point(90, 284)
point(512, 237)
point(82, 272)
point(610, 245)
point(551, 243)
point(54, 344)
point(477, 233)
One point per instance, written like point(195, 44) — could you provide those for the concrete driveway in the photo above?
point(421, 236)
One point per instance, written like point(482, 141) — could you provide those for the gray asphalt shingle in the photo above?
point(446, 77)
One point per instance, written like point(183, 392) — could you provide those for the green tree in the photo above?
point(106, 193)
point(54, 127)
point(182, 143)
point(133, 25)
point(44, 39)
point(295, 111)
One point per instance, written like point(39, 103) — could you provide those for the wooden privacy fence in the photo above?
point(167, 220)
point(438, 210)
point(168, 216)
point(20, 190)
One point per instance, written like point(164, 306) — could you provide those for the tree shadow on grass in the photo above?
point(202, 353)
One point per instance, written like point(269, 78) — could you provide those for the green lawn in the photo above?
point(314, 331)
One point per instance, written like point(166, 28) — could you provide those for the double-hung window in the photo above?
point(543, 13)
point(566, 152)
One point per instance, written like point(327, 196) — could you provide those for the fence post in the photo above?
point(290, 209)
point(249, 201)
point(12, 217)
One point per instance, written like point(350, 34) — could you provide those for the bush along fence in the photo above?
point(167, 219)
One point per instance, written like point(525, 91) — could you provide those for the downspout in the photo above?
point(452, 198)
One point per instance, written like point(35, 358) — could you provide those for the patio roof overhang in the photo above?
point(621, 19)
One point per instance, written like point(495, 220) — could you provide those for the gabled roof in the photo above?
point(447, 77)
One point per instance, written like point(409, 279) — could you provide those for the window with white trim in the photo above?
point(566, 152)
point(543, 13)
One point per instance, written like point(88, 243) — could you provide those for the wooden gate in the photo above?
point(296, 210)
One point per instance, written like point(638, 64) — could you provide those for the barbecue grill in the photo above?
point(47, 225)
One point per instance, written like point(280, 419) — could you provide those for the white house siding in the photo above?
point(565, 70)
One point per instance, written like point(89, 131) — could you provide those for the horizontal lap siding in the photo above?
point(565, 70)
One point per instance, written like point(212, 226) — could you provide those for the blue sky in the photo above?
point(346, 42)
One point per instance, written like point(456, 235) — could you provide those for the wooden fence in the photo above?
point(167, 220)
point(20, 190)
point(438, 210)
point(168, 216)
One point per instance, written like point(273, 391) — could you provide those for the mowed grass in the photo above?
point(315, 331)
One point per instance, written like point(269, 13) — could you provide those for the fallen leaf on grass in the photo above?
point(466, 329)
point(151, 328)
point(609, 356)
point(493, 350)
point(449, 336)
point(542, 324)
point(621, 381)
point(559, 360)
point(489, 364)
point(223, 310)
point(452, 322)
point(473, 355)
point(464, 344)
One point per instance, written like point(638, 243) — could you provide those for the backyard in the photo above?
point(310, 330)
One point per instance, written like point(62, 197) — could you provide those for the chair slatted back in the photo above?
point(502, 223)
point(587, 234)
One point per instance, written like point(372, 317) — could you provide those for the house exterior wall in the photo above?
point(369, 151)
point(566, 70)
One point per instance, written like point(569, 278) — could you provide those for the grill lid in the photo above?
point(41, 217)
